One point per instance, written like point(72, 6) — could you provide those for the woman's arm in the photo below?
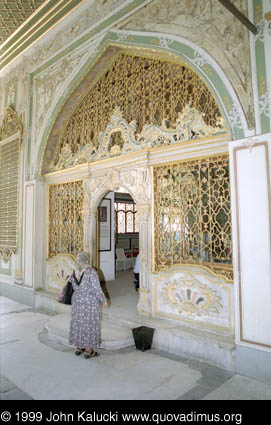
point(97, 287)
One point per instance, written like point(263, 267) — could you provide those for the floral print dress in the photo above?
point(84, 325)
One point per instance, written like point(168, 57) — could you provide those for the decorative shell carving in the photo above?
point(59, 270)
point(191, 297)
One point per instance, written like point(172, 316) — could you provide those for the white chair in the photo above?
point(121, 258)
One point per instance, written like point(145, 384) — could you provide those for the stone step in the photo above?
point(113, 336)
point(116, 332)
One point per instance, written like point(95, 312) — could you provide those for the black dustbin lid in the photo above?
point(143, 330)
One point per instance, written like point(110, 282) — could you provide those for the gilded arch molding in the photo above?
point(108, 48)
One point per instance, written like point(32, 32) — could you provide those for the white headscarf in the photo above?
point(83, 258)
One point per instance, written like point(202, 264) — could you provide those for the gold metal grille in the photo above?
point(65, 229)
point(147, 90)
point(9, 175)
point(192, 215)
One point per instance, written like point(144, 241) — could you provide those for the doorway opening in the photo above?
point(117, 248)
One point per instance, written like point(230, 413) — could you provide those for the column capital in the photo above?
point(144, 211)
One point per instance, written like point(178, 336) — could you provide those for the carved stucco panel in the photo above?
point(49, 84)
point(89, 17)
point(192, 18)
point(136, 181)
point(195, 297)
point(11, 91)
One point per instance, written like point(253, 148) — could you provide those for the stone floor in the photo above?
point(35, 367)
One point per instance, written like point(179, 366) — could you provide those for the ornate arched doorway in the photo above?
point(141, 112)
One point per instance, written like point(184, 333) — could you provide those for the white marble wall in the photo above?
point(251, 215)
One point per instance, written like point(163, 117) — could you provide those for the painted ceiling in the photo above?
point(14, 13)
point(22, 22)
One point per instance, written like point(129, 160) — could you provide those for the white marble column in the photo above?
point(86, 214)
point(92, 236)
point(34, 234)
point(144, 218)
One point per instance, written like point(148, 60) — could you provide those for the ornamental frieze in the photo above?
point(121, 137)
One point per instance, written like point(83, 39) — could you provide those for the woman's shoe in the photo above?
point(91, 353)
point(79, 351)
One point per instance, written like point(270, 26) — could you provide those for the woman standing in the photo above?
point(84, 325)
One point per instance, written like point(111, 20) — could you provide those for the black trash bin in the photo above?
point(143, 337)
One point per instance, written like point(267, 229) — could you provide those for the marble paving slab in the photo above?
point(241, 388)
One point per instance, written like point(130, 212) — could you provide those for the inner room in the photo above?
point(117, 249)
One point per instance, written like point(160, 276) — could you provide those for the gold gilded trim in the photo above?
point(10, 142)
point(120, 137)
point(191, 224)
point(25, 22)
point(65, 218)
point(143, 111)
point(43, 22)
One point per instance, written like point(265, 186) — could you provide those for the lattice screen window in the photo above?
point(126, 217)
point(147, 90)
point(192, 214)
point(65, 227)
point(9, 177)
